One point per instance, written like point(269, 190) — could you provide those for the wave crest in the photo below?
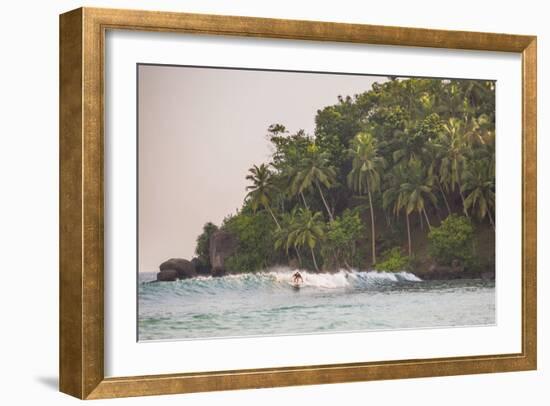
point(342, 278)
point(280, 278)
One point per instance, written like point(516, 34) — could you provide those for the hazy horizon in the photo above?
point(200, 129)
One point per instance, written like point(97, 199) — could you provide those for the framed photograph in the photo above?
point(250, 202)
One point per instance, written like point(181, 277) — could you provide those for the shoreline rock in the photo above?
point(202, 270)
point(168, 275)
point(223, 244)
point(184, 268)
point(455, 271)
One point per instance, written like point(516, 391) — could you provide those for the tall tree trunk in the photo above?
point(373, 233)
point(427, 219)
point(298, 255)
point(324, 201)
point(273, 215)
point(314, 259)
point(462, 198)
point(304, 200)
point(444, 197)
point(409, 234)
point(335, 259)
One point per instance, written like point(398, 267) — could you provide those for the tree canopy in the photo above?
point(383, 165)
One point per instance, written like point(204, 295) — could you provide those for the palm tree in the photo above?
point(454, 160)
point(451, 101)
point(417, 189)
point(434, 152)
point(477, 93)
point(308, 231)
point(395, 198)
point(365, 174)
point(314, 170)
point(262, 189)
point(290, 171)
point(479, 183)
point(412, 146)
point(284, 235)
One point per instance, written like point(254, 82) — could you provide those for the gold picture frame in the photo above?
point(82, 42)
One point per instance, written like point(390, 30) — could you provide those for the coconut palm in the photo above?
point(417, 190)
point(479, 184)
point(284, 236)
point(413, 146)
point(451, 101)
point(479, 131)
point(309, 230)
point(479, 95)
point(434, 154)
point(455, 151)
point(394, 198)
point(314, 171)
point(262, 189)
point(289, 172)
point(364, 177)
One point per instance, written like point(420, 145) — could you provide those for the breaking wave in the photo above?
point(280, 277)
point(342, 278)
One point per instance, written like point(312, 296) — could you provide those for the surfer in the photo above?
point(297, 278)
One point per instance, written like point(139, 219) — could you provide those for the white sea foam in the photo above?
point(281, 276)
point(342, 278)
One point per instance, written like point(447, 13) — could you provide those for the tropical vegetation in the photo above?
point(402, 171)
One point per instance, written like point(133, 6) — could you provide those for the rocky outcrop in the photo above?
point(222, 245)
point(168, 275)
point(455, 271)
point(184, 268)
point(201, 268)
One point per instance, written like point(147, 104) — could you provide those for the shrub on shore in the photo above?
point(394, 261)
point(255, 233)
point(452, 240)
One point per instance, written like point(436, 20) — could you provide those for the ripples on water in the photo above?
point(265, 303)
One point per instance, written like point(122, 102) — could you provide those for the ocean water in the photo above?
point(265, 303)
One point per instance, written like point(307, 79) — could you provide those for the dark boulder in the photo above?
point(444, 272)
point(183, 267)
point(455, 271)
point(200, 267)
point(218, 271)
point(223, 244)
point(168, 275)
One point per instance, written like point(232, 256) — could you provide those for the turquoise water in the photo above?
point(266, 304)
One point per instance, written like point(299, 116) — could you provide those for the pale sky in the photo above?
point(200, 129)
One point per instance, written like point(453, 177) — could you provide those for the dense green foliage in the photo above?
point(382, 167)
point(255, 232)
point(393, 261)
point(340, 247)
point(452, 240)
